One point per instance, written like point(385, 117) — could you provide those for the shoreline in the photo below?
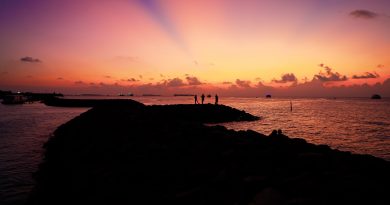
point(165, 154)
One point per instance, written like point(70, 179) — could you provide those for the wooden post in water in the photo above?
point(290, 106)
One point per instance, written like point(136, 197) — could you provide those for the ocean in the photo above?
point(358, 125)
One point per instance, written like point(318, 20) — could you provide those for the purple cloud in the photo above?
point(286, 78)
point(243, 83)
point(366, 75)
point(365, 14)
point(29, 59)
point(329, 75)
point(380, 66)
point(193, 80)
point(130, 80)
point(176, 82)
point(79, 82)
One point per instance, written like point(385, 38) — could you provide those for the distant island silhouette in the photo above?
point(9, 97)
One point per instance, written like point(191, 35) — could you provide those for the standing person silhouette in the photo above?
point(202, 97)
point(216, 99)
point(196, 99)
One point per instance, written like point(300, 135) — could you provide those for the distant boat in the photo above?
point(14, 99)
point(268, 96)
point(91, 94)
point(129, 94)
point(150, 95)
point(376, 96)
point(183, 94)
point(209, 96)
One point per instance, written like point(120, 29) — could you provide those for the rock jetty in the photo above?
point(64, 102)
point(131, 154)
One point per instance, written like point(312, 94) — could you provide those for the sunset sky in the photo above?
point(234, 47)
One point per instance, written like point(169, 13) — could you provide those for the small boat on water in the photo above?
point(376, 96)
point(128, 94)
point(268, 96)
point(180, 95)
point(150, 95)
point(14, 99)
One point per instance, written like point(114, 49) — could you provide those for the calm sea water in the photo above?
point(359, 125)
point(353, 124)
point(23, 131)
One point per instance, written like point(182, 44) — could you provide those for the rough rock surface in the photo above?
point(165, 155)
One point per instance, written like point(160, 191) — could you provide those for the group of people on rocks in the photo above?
point(202, 99)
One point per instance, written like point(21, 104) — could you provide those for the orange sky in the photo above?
point(77, 46)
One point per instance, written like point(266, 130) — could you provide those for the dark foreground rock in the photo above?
point(165, 155)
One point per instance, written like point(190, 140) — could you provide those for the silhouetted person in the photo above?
point(196, 99)
point(290, 106)
point(274, 133)
point(202, 97)
point(216, 99)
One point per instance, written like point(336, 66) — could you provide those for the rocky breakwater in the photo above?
point(63, 102)
point(166, 155)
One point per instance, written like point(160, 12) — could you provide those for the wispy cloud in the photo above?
point(127, 58)
point(29, 59)
point(365, 14)
point(329, 75)
point(243, 83)
point(366, 75)
point(380, 66)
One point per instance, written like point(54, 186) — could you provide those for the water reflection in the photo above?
point(23, 130)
